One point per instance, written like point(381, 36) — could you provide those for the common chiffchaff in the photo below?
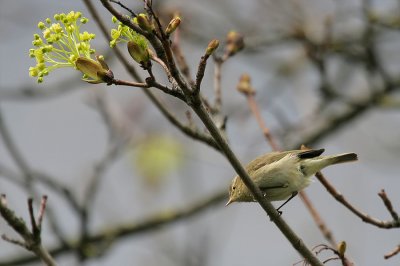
point(280, 175)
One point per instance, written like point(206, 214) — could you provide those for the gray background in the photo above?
point(65, 137)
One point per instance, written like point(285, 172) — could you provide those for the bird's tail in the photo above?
point(311, 166)
point(342, 158)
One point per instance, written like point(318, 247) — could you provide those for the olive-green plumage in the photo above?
point(280, 174)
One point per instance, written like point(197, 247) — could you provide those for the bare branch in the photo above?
point(124, 7)
point(130, 83)
point(25, 169)
point(32, 239)
point(326, 232)
point(364, 217)
point(180, 57)
point(388, 205)
point(392, 253)
point(217, 83)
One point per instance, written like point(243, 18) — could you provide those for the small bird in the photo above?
point(281, 175)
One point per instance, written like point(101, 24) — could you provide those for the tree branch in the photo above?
point(32, 239)
point(363, 216)
point(109, 236)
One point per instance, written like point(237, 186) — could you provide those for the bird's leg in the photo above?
point(283, 204)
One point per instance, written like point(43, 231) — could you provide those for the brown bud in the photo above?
point(94, 71)
point(234, 43)
point(173, 25)
point(341, 248)
point(244, 85)
point(212, 46)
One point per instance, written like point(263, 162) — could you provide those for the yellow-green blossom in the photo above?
point(61, 45)
point(136, 43)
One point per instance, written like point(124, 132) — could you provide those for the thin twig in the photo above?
point(180, 58)
point(34, 229)
point(326, 232)
point(256, 112)
point(124, 7)
point(173, 92)
point(42, 210)
point(200, 73)
point(392, 253)
point(217, 84)
point(43, 178)
point(130, 83)
point(364, 217)
point(32, 239)
point(14, 241)
point(165, 67)
point(388, 204)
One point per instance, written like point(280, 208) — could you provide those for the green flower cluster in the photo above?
point(136, 43)
point(61, 45)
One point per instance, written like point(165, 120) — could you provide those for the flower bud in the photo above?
point(138, 52)
point(173, 25)
point(244, 85)
point(41, 25)
point(144, 22)
point(234, 43)
point(94, 70)
point(102, 62)
point(212, 46)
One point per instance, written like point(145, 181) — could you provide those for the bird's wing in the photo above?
point(308, 154)
point(265, 159)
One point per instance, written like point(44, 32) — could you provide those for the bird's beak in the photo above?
point(229, 202)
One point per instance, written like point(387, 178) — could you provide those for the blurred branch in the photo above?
point(256, 112)
point(31, 238)
point(27, 173)
point(326, 232)
point(108, 236)
point(392, 253)
point(388, 205)
point(44, 179)
point(180, 57)
point(336, 122)
point(59, 88)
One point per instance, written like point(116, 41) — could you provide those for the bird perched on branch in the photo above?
point(281, 175)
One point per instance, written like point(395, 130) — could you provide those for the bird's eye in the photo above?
point(233, 187)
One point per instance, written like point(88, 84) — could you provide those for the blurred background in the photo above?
point(326, 75)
